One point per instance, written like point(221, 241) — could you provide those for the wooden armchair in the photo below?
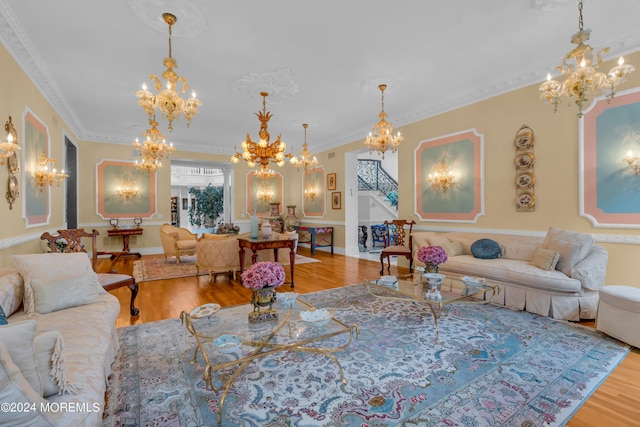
point(397, 242)
point(109, 281)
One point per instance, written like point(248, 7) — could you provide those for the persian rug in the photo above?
point(514, 369)
point(146, 270)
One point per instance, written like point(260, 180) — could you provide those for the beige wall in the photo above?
point(497, 119)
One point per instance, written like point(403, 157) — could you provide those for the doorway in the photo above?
point(71, 184)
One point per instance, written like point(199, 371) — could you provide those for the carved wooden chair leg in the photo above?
point(133, 310)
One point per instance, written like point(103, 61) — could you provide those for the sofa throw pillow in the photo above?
point(50, 266)
point(57, 294)
point(453, 248)
point(585, 240)
point(569, 254)
point(545, 259)
point(18, 339)
point(3, 317)
point(15, 388)
point(49, 351)
point(11, 291)
point(486, 249)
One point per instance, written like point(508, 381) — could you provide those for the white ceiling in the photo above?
point(321, 60)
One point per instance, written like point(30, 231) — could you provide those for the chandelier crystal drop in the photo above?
point(262, 152)
point(152, 149)
point(583, 82)
point(382, 138)
point(305, 159)
point(168, 98)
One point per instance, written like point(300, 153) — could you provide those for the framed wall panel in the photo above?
point(609, 133)
point(464, 201)
point(36, 206)
point(257, 202)
point(110, 174)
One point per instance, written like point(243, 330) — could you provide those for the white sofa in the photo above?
point(71, 349)
point(568, 291)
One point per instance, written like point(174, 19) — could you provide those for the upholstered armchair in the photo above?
point(177, 242)
point(218, 254)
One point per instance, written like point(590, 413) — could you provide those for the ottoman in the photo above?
point(619, 313)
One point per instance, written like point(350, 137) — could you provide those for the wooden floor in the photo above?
point(615, 403)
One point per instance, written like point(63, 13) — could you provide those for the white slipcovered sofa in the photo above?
point(60, 341)
point(567, 289)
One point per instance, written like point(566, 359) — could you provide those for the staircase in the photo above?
point(372, 177)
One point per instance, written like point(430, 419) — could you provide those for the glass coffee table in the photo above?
point(413, 287)
point(229, 343)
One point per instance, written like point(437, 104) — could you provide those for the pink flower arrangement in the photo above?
point(263, 274)
point(435, 255)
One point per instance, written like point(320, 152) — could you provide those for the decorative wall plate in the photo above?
point(526, 200)
point(525, 180)
point(12, 191)
point(523, 140)
point(524, 160)
point(13, 163)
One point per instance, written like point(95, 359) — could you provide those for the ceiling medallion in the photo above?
point(192, 20)
point(279, 84)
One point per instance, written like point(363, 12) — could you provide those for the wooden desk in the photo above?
point(309, 235)
point(125, 233)
point(259, 244)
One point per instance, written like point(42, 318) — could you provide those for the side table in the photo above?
point(125, 233)
point(317, 237)
point(259, 244)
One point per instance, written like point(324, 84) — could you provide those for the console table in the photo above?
point(317, 237)
point(125, 233)
point(259, 244)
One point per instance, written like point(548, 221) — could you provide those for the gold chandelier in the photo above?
point(152, 149)
point(10, 146)
point(127, 191)
point(382, 137)
point(168, 99)
point(442, 177)
point(262, 152)
point(583, 82)
point(306, 160)
point(46, 174)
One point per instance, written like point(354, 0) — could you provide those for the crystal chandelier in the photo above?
point(168, 99)
point(583, 82)
point(442, 178)
point(127, 191)
point(262, 152)
point(382, 137)
point(46, 174)
point(305, 160)
point(10, 146)
point(152, 149)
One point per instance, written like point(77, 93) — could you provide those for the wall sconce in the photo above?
point(10, 146)
point(265, 195)
point(631, 160)
point(310, 193)
point(441, 178)
point(46, 174)
point(127, 191)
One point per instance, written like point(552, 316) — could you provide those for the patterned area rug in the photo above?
point(146, 270)
point(516, 369)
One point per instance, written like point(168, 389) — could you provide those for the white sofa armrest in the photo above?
point(592, 270)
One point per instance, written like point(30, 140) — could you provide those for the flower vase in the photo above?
point(260, 299)
point(432, 283)
point(431, 268)
point(291, 220)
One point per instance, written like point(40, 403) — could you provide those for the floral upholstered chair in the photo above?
point(70, 241)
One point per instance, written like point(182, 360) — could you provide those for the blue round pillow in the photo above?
point(486, 249)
